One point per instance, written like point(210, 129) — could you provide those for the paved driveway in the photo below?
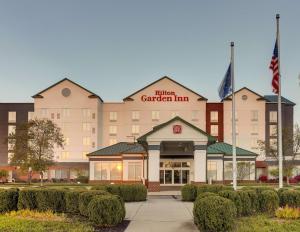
point(160, 214)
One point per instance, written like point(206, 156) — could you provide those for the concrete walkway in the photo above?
point(160, 214)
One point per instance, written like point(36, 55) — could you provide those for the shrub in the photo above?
point(246, 204)
point(259, 190)
point(51, 199)
point(86, 197)
point(82, 179)
point(268, 201)
point(129, 192)
point(253, 199)
point(290, 198)
point(214, 213)
point(8, 200)
point(99, 187)
point(27, 199)
point(206, 194)
point(236, 199)
point(72, 201)
point(106, 210)
point(214, 188)
point(288, 213)
point(263, 178)
point(189, 192)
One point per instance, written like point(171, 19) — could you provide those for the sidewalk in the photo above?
point(160, 214)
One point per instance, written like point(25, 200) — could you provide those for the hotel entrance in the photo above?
point(174, 172)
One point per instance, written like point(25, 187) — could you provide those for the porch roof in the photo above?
point(118, 149)
point(226, 149)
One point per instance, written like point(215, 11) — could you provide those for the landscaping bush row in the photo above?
point(101, 207)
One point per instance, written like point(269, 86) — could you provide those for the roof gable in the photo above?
point(274, 99)
point(92, 95)
point(259, 97)
point(131, 97)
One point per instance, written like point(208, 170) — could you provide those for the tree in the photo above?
point(244, 169)
point(32, 145)
point(290, 149)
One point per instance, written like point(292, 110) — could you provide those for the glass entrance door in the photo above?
point(174, 173)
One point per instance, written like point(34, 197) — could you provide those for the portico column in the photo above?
point(153, 167)
point(200, 164)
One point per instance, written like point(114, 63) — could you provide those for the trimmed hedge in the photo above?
point(214, 213)
point(8, 200)
point(72, 201)
point(27, 199)
point(106, 210)
point(259, 190)
point(254, 200)
point(246, 203)
point(86, 197)
point(290, 198)
point(51, 199)
point(129, 192)
point(206, 194)
point(268, 201)
point(99, 187)
point(189, 192)
point(214, 188)
point(235, 198)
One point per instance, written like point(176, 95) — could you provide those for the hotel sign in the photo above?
point(164, 96)
point(177, 129)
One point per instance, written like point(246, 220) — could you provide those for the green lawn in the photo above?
point(262, 223)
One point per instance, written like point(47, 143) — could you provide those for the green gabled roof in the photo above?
point(118, 149)
point(274, 99)
point(158, 127)
point(226, 149)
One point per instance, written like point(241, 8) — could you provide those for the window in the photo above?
point(58, 115)
point(214, 117)
point(112, 142)
point(134, 170)
point(211, 170)
point(174, 114)
point(228, 171)
point(254, 115)
point(112, 130)
point(113, 116)
point(86, 113)
point(12, 117)
point(273, 116)
point(11, 129)
point(195, 115)
point(93, 130)
point(44, 113)
point(30, 116)
point(93, 115)
point(52, 115)
point(86, 141)
point(93, 144)
point(236, 116)
point(273, 130)
point(214, 130)
point(86, 126)
point(254, 144)
point(254, 129)
point(135, 129)
point(108, 170)
point(65, 155)
point(155, 115)
point(66, 113)
point(135, 116)
point(84, 153)
point(273, 143)
point(67, 141)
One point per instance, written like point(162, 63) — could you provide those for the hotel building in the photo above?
point(164, 134)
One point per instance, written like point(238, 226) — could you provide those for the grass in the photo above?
point(263, 223)
point(25, 220)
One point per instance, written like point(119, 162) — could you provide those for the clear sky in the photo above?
point(116, 47)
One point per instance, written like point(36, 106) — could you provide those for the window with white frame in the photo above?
point(67, 141)
point(195, 115)
point(58, 115)
point(212, 170)
point(93, 115)
point(236, 116)
point(52, 116)
point(228, 170)
point(273, 116)
point(112, 141)
point(12, 116)
point(112, 130)
point(254, 143)
point(155, 115)
point(273, 130)
point(254, 129)
point(86, 141)
point(214, 116)
point(108, 170)
point(214, 130)
point(134, 170)
point(273, 143)
point(254, 115)
point(11, 129)
point(135, 116)
point(113, 116)
point(65, 155)
point(44, 113)
point(93, 130)
point(135, 129)
point(66, 112)
point(86, 113)
point(86, 126)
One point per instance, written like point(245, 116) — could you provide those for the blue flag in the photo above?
point(225, 87)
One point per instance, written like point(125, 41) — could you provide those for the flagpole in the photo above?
point(234, 169)
point(279, 110)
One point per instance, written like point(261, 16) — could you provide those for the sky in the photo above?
point(114, 48)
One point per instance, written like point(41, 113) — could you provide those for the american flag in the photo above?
point(274, 68)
